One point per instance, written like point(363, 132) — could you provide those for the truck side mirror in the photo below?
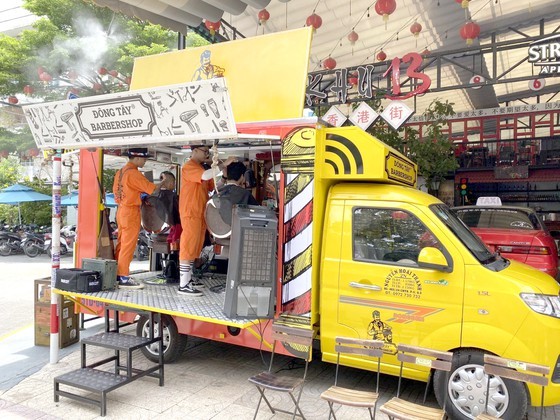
point(433, 258)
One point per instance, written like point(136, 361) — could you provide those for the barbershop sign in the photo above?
point(168, 114)
point(365, 87)
point(545, 54)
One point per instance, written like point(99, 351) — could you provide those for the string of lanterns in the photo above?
point(384, 8)
point(469, 31)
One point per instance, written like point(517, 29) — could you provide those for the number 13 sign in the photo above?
point(415, 61)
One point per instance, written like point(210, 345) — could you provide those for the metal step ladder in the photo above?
point(101, 382)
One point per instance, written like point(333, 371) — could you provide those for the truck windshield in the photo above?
point(464, 234)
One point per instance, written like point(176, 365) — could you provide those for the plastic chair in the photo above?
point(293, 338)
point(515, 370)
point(351, 397)
point(397, 408)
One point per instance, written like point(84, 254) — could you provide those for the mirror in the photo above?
point(433, 258)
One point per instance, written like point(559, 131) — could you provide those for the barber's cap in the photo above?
point(138, 152)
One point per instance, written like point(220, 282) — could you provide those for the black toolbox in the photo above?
point(78, 280)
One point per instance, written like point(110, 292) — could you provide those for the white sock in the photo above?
point(185, 273)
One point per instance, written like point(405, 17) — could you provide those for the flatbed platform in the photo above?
point(165, 299)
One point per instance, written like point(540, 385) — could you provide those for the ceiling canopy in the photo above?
point(354, 32)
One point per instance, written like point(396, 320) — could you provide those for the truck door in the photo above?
point(382, 292)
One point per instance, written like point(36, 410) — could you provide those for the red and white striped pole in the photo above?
point(55, 252)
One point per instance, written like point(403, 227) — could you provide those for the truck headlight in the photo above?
point(543, 304)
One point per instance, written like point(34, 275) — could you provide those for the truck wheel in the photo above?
point(467, 386)
point(174, 344)
point(31, 249)
point(5, 248)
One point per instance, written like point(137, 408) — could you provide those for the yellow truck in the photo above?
point(361, 252)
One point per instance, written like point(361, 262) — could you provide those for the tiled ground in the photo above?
point(208, 382)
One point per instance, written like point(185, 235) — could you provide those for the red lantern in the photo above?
point(469, 31)
point(40, 70)
point(45, 77)
point(127, 80)
point(33, 152)
point(97, 86)
point(385, 8)
point(329, 63)
point(416, 28)
point(381, 56)
point(12, 100)
point(263, 16)
point(102, 71)
point(28, 89)
point(353, 37)
point(464, 3)
point(114, 73)
point(212, 26)
point(353, 79)
point(72, 75)
point(315, 21)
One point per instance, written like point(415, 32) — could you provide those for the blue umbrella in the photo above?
point(18, 193)
point(72, 199)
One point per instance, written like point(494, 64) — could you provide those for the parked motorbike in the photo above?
point(33, 244)
point(142, 246)
point(48, 245)
point(10, 243)
point(69, 233)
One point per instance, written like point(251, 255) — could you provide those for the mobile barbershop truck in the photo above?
point(361, 252)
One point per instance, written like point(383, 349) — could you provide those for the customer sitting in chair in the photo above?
point(234, 191)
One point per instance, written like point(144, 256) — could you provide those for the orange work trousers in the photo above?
point(128, 222)
point(192, 238)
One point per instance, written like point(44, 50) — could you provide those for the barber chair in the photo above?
point(153, 223)
point(219, 229)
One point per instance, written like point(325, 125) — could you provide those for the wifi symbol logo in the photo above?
point(343, 155)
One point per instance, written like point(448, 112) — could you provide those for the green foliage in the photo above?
point(11, 54)
point(10, 171)
point(74, 37)
point(16, 142)
point(434, 153)
point(39, 213)
point(108, 177)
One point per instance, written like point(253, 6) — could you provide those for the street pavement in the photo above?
point(209, 381)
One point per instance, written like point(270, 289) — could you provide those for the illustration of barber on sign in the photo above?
point(207, 70)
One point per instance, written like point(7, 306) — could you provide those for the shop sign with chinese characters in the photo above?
point(396, 113)
point(368, 78)
point(334, 117)
point(363, 116)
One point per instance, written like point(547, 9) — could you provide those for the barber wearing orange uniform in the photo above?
point(128, 185)
point(196, 183)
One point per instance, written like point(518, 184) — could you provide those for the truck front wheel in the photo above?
point(174, 344)
point(466, 390)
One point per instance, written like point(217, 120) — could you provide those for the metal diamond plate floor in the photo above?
point(165, 299)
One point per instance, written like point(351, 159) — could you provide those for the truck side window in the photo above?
point(389, 235)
